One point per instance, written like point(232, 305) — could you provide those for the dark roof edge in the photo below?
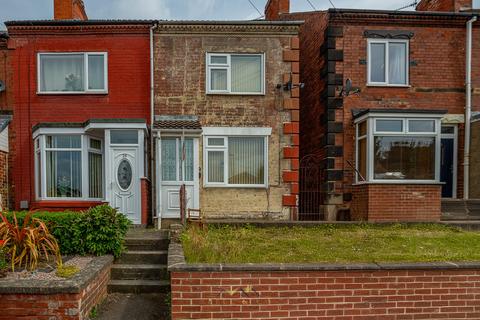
point(83, 124)
point(401, 13)
point(147, 22)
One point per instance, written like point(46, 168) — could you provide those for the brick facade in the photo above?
point(180, 90)
point(334, 46)
point(65, 306)
point(371, 294)
point(396, 202)
point(128, 95)
point(444, 5)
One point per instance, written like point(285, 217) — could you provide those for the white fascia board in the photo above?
point(237, 131)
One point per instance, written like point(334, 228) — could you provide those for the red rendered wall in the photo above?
point(128, 97)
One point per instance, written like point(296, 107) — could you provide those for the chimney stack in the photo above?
point(445, 5)
point(69, 10)
point(275, 8)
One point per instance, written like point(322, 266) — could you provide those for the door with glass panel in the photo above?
point(178, 165)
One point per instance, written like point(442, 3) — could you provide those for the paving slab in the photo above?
point(119, 306)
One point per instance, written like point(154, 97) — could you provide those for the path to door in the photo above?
point(139, 285)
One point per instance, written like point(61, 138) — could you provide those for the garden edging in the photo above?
point(323, 291)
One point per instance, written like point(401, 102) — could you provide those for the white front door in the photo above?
point(178, 165)
point(125, 182)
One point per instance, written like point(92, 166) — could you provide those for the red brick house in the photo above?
point(383, 109)
point(81, 112)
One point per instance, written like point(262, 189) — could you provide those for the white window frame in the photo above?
point(225, 133)
point(372, 133)
point(85, 73)
point(387, 62)
point(84, 149)
point(227, 67)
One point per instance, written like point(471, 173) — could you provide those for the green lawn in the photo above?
point(330, 243)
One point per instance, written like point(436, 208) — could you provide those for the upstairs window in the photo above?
point(388, 62)
point(72, 72)
point(235, 73)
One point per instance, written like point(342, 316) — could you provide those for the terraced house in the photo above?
point(154, 116)
point(388, 114)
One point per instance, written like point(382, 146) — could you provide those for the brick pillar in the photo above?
point(291, 104)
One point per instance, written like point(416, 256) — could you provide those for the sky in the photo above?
point(177, 9)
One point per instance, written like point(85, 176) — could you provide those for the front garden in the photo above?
point(55, 245)
point(362, 243)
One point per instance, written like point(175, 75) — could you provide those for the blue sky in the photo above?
point(175, 9)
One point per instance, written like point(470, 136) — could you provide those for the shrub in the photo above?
point(100, 230)
point(28, 242)
point(3, 260)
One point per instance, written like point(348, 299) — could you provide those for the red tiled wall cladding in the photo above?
point(389, 202)
point(332, 295)
point(128, 96)
point(55, 306)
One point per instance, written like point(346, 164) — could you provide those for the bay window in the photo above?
point(397, 149)
point(388, 62)
point(76, 72)
point(68, 166)
point(236, 160)
point(235, 73)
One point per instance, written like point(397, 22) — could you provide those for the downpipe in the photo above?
point(152, 136)
point(468, 109)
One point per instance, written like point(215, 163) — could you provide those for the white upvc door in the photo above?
point(177, 165)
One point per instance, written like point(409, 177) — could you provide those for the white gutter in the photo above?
point(152, 118)
point(468, 109)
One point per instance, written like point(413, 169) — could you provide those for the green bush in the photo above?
point(100, 230)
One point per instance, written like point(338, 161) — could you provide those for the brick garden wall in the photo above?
point(396, 202)
point(65, 306)
point(353, 295)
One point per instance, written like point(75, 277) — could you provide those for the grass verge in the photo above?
point(330, 244)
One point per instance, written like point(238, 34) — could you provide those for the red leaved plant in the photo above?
point(26, 244)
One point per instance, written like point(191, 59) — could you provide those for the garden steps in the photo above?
point(143, 267)
point(139, 286)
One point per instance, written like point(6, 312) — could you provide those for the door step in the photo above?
point(139, 271)
point(139, 286)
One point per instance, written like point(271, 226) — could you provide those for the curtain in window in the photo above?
point(188, 159)
point(246, 160)
point(246, 73)
point(62, 72)
point(397, 63)
point(218, 79)
point(96, 72)
point(400, 158)
point(169, 159)
point(64, 174)
point(377, 62)
point(215, 166)
point(95, 172)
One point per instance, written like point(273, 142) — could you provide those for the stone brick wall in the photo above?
point(396, 202)
point(180, 90)
point(65, 306)
point(388, 294)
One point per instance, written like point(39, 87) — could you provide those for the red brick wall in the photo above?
point(444, 5)
point(274, 8)
point(332, 295)
point(128, 77)
point(4, 189)
point(396, 202)
point(69, 9)
point(55, 306)
point(146, 200)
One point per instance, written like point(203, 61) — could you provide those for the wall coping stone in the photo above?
point(177, 263)
point(73, 285)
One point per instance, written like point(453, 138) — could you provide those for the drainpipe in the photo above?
point(468, 109)
point(152, 118)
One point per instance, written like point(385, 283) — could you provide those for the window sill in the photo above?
point(72, 93)
point(234, 94)
point(210, 186)
point(399, 182)
point(373, 85)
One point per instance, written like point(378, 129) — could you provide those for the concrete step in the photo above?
point(139, 286)
point(142, 244)
point(139, 272)
point(143, 257)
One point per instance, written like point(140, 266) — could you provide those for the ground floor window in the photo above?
point(397, 149)
point(69, 166)
point(236, 160)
